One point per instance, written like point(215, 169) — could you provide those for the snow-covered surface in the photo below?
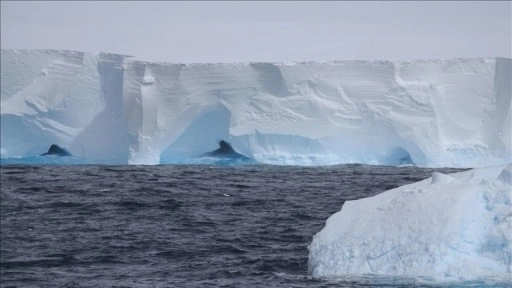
point(454, 227)
point(109, 108)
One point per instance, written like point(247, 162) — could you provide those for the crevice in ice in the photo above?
point(398, 156)
point(106, 138)
point(148, 78)
point(271, 79)
point(496, 123)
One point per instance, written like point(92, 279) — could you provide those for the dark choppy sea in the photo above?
point(177, 225)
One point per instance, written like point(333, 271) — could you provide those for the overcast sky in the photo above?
point(263, 31)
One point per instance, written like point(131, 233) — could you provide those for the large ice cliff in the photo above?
point(108, 108)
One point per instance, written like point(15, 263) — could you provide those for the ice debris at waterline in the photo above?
point(108, 108)
point(447, 228)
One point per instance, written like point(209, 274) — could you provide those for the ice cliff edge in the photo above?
point(108, 108)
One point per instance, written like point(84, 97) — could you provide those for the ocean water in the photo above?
point(179, 225)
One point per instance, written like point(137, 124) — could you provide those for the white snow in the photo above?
point(454, 227)
point(106, 107)
point(440, 178)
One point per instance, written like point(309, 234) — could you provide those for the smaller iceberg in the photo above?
point(448, 228)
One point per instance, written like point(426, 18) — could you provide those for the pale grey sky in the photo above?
point(263, 31)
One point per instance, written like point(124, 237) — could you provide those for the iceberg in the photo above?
point(110, 108)
point(447, 228)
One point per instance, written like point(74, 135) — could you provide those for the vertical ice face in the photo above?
point(49, 100)
point(105, 138)
point(72, 100)
point(105, 107)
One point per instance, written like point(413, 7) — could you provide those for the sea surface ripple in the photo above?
point(177, 225)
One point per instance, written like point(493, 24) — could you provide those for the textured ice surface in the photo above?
point(108, 108)
point(454, 227)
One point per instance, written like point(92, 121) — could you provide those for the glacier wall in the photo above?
point(108, 108)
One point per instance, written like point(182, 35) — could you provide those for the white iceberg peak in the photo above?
point(440, 178)
point(457, 230)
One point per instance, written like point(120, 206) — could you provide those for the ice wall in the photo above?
point(69, 98)
point(106, 107)
point(446, 228)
